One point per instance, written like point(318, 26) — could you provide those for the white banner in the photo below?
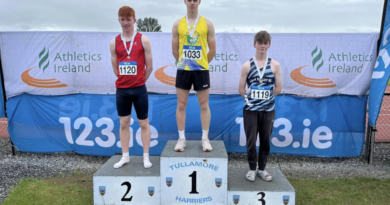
point(61, 63)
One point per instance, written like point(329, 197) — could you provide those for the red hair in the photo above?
point(126, 11)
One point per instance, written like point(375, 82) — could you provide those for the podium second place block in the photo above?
point(131, 183)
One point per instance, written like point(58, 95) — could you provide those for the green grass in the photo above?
point(77, 189)
point(342, 191)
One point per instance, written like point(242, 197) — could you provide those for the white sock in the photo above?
point(205, 134)
point(147, 163)
point(125, 159)
point(146, 155)
point(181, 134)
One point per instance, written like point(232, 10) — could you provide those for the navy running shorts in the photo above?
point(126, 97)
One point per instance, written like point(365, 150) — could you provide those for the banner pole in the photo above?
point(371, 132)
point(2, 82)
point(382, 25)
point(367, 142)
point(5, 98)
point(372, 146)
point(13, 148)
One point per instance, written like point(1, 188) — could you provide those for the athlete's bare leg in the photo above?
point(205, 115)
point(182, 99)
point(124, 133)
point(145, 134)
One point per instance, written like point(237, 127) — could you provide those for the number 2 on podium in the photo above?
point(128, 189)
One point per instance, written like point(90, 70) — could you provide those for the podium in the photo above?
point(242, 191)
point(194, 176)
point(189, 177)
point(130, 184)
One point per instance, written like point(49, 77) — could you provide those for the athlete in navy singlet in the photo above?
point(263, 77)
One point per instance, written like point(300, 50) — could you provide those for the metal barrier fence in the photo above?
point(383, 122)
point(3, 128)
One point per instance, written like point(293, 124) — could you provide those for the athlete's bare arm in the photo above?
point(275, 66)
point(243, 77)
point(148, 56)
point(113, 56)
point(175, 40)
point(211, 40)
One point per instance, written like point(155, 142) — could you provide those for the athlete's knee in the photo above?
point(181, 106)
point(143, 123)
point(204, 106)
point(125, 122)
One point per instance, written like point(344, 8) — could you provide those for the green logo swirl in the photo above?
point(317, 58)
point(192, 40)
point(44, 59)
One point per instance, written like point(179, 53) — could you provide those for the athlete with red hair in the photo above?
point(131, 58)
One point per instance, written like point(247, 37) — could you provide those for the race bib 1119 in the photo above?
point(260, 93)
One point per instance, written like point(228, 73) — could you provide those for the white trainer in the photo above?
point(206, 145)
point(124, 160)
point(264, 175)
point(251, 175)
point(181, 143)
point(147, 163)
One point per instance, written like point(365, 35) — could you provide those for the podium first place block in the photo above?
point(131, 183)
point(194, 176)
point(259, 192)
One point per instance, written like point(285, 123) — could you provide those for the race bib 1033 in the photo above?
point(192, 52)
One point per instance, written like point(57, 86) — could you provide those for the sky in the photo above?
point(233, 16)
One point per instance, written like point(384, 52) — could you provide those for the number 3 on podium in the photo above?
point(262, 197)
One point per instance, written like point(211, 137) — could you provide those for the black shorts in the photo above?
point(126, 97)
point(200, 80)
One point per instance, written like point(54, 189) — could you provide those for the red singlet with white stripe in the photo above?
point(137, 54)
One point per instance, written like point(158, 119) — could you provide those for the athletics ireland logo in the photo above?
point(163, 77)
point(42, 83)
point(317, 63)
point(317, 58)
point(43, 58)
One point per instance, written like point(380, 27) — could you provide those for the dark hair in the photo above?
point(262, 37)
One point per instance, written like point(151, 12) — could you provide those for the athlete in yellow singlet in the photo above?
point(199, 62)
point(191, 35)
